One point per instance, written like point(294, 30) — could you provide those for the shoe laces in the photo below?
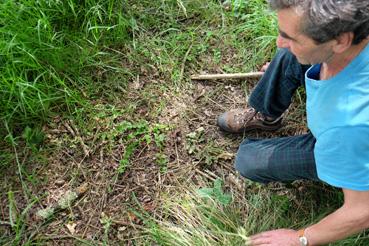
point(242, 117)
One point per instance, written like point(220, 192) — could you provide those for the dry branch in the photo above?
point(227, 76)
point(5, 223)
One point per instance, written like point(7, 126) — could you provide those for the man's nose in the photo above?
point(282, 42)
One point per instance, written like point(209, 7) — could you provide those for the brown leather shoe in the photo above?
point(247, 119)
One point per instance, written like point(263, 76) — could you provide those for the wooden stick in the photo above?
point(227, 76)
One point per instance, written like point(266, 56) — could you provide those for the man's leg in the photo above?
point(277, 159)
point(272, 95)
point(270, 98)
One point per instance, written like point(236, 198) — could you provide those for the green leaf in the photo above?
point(219, 195)
point(216, 193)
point(205, 192)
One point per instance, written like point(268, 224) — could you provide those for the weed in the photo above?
point(215, 193)
point(204, 151)
point(106, 223)
point(162, 161)
point(194, 139)
point(137, 134)
point(33, 137)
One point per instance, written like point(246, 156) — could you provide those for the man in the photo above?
point(332, 36)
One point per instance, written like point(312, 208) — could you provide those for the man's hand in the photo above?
point(281, 237)
point(264, 67)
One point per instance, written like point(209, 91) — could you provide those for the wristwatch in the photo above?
point(303, 240)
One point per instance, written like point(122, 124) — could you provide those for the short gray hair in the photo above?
point(326, 20)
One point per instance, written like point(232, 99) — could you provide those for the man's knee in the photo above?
point(250, 164)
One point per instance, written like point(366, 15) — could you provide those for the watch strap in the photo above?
point(302, 237)
point(301, 232)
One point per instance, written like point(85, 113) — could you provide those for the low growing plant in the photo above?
point(137, 134)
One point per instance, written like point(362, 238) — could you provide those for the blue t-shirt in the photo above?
point(338, 117)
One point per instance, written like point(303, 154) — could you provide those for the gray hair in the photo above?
point(326, 20)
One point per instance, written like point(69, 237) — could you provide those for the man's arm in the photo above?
point(351, 218)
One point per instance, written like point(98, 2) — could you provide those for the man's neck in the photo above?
point(340, 61)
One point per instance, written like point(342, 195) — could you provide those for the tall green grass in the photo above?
point(49, 51)
point(256, 26)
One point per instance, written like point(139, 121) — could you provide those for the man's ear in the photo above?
point(343, 42)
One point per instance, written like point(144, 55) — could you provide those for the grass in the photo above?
point(199, 217)
point(49, 49)
point(99, 91)
point(192, 220)
point(193, 216)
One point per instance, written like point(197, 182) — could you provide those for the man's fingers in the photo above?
point(260, 242)
point(260, 239)
point(261, 235)
point(264, 67)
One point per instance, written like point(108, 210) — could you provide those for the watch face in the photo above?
point(303, 241)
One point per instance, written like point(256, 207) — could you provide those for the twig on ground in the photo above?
point(75, 133)
point(205, 175)
point(85, 148)
point(229, 169)
point(69, 128)
point(211, 174)
point(87, 225)
point(5, 223)
point(227, 76)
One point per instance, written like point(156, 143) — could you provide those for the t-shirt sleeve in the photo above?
point(342, 157)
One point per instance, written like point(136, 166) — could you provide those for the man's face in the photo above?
point(303, 47)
